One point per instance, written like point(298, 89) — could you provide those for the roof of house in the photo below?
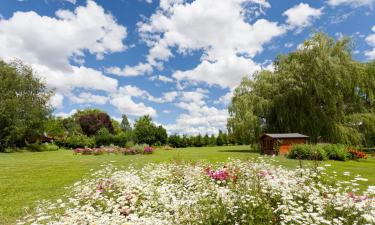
point(286, 135)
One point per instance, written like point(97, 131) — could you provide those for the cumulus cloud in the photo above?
point(65, 115)
point(219, 28)
point(56, 101)
point(199, 118)
point(51, 45)
point(125, 100)
point(52, 41)
point(131, 71)
point(371, 41)
point(89, 98)
point(353, 3)
point(301, 16)
point(225, 72)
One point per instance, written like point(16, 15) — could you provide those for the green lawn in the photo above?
point(28, 177)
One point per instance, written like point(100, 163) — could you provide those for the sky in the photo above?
point(176, 60)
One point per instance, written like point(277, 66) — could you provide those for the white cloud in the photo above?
point(288, 45)
point(219, 28)
point(52, 41)
point(165, 79)
point(167, 97)
point(199, 118)
point(131, 71)
point(56, 101)
point(371, 41)
point(89, 98)
point(65, 115)
point(226, 72)
point(50, 44)
point(301, 16)
point(352, 3)
point(123, 101)
point(225, 99)
point(71, 1)
point(79, 77)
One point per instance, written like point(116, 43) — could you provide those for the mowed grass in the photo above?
point(28, 177)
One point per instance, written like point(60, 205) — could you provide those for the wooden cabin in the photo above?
point(269, 142)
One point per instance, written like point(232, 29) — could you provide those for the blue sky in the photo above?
point(177, 60)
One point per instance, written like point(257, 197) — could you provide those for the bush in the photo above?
point(42, 147)
point(104, 138)
point(139, 148)
point(356, 154)
point(337, 152)
point(306, 151)
point(122, 139)
point(76, 141)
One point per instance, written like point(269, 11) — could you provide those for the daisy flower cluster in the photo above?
point(237, 192)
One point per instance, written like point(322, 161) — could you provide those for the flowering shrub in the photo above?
point(190, 194)
point(108, 150)
point(357, 154)
point(324, 152)
point(148, 150)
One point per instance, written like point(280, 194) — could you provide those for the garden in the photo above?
point(90, 168)
point(46, 180)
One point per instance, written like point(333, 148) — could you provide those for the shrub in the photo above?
point(299, 151)
point(336, 152)
point(104, 138)
point(148, 150)
point(122, 139)
point(139, 148)
point(79, 141)
point(42, 147)
point(356, 154)
point(306, 151)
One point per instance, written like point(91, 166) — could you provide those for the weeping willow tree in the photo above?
point(318, 90)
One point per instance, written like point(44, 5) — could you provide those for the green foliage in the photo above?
point(23, 105)
point(317, 90)
point(220, 139)
point(337, 152)
point(76, 141)
point(122, 139)
point(104, 138)
point(55, 127)
point(306, 151)
point(116, 126)
point(125, 124)
point(161, 135)
point(146, 132)
point(42, 147)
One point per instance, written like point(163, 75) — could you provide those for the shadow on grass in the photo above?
point(240, 151)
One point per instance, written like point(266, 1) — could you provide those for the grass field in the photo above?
point(28, 177)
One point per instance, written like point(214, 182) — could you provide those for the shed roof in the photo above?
point(286, 135)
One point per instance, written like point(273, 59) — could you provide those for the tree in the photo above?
point(175, 141)
point(91, 123)
point(220, 139)
point(312, 91)
point(161, 135)
point(125, 124)
point(206, 140)
point(24, 105)
point(147, 132)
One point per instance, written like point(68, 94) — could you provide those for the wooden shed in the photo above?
point(269, 142)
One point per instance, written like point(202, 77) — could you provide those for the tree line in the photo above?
point(318, 90)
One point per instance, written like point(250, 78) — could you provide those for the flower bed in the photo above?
point(236, 193)
point(107, 150)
